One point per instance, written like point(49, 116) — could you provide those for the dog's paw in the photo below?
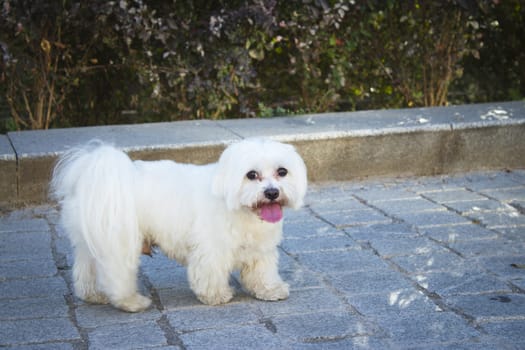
point(96, 298)
point(276, 292)
point(134, 303)
point(216, 298)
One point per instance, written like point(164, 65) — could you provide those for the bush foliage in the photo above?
point(74, 63)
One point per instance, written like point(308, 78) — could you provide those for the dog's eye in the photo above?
point(282, 172)
point(252, 175)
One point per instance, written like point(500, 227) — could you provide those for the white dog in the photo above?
point(213, 218)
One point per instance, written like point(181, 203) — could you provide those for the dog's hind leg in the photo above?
point(85, 277)
point(119, 282)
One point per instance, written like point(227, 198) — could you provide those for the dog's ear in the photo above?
point(300, 178)
point(226, 183)
point(217, 183)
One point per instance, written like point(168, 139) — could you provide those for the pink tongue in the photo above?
point(271, 212)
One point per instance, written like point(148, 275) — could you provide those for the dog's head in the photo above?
point(261, 175)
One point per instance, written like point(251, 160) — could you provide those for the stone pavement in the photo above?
point(410, 263)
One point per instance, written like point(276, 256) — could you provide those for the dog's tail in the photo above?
point(94, 185)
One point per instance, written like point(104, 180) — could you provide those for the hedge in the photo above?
point(75, 63)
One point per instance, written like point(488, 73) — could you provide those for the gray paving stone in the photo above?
point(388, 247)
point(436, 261)
point(384, 193)
point(517, 202)
point(364, 233)
point(433, 219)
point(286, 261)
point(509, 332)
point(431, 328)
point(14, 223)
point(27, 269)
point(491, 307)
point(37, 331)
point(506, 194)
point(348, 343)
point(342, 261)
point(127, 335)
point(516, 234)
point(488, 247)
point(299, 215)
point(491, 180)
point(319, 244)
point(473, 344)
point(341, 204)
point(233, 338)
point(64, 253)
point(207, 317)
point(44, 346)
point(451, 283)
point(476, 206)
point(172, 276)
point(392, 303)
point(459, 233)
point(410, 205)
point(60, 232)
point(319, 326)
point(454, 195)
point(362, 282)
point(425, 185)
point(511, 268)
point(326, 191)
point(311, 227)
point(519, 205)
point(53, 306)
point(300, 302)
point(499, 219)
point(355, 217)
point(25, 246)
point(33, 288)
point(92, 315)
point(516, 174)
point(300, 278)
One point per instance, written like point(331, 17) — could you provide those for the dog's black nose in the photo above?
point(271, 193)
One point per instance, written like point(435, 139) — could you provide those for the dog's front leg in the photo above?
point(209, 279)
point(260, 276)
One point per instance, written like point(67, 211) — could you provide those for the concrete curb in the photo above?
point(335, 146)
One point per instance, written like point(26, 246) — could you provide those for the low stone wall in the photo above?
point(335, 146)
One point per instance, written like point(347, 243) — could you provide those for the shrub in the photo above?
point(73, 63)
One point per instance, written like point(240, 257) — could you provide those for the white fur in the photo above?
point(208, 217)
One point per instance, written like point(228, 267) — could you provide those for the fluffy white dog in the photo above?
point(214, 218)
